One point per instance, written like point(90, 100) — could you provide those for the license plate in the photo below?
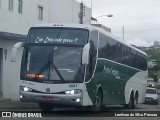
point(47, 98)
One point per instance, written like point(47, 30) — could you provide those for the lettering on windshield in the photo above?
point(57, 40)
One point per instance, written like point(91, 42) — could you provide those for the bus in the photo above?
point(77, 65)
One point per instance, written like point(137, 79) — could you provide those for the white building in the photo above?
point(16, 17)
point(152, 63)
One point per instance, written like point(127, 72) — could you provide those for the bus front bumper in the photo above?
point(56, 99)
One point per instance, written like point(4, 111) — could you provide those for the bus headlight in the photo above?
point(72, 92)
point(26, 89)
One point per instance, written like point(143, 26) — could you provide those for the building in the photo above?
point(21, 14)
point(16, 17)
point(157, 44)
point(103, 27)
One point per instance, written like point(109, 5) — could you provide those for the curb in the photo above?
point(5, 100)
point(8, 104)
point(17, 107)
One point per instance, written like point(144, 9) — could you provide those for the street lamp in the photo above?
point(94, 18)
point(109, 15)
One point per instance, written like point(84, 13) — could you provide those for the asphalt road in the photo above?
point(85, 113)
point(82, 114)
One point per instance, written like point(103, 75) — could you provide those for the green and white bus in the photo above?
point(80, 65)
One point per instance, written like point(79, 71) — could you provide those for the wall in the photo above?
point(10, 71)
point(14, 22)
point(1, 57)
point(58, 11)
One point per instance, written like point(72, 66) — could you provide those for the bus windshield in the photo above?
point(52, 64)
point(53, 54)
point(151, 91)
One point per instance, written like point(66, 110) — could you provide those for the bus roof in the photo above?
point(89, 27)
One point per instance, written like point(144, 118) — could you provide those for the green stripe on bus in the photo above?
point(112, 77)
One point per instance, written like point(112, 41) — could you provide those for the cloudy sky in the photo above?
point(140, 18)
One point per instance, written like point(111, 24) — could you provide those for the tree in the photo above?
point(154, 54)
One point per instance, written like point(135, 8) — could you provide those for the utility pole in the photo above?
point(91, 8)
point(49, 11)
point(123, 32)
point(81, 13)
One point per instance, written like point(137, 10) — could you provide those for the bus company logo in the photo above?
point(47, 89)
point(111, 71)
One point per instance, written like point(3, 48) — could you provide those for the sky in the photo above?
point(140, 18)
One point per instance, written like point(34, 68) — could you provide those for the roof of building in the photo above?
point(12, 36)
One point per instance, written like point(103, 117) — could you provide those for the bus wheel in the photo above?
point(97, 103)
point(45, 107)
point(130, 104)
point(135, 101)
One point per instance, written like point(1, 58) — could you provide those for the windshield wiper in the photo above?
point(49, 64)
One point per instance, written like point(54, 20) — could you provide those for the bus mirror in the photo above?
point(14, 51)
point(85, 54)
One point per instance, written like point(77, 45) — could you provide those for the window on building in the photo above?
point(20, 6)
point(0, 3)
point(10, 5)
point(40, 9)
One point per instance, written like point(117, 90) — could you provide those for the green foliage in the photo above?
point(154, 72)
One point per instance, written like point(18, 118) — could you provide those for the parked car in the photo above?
point(151, 96)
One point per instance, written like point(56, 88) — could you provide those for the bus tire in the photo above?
point(130, 104)
point(45, 107)
point(97, 105)
point(135, 101)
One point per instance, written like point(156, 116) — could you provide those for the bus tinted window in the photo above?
point(107, 47)
point(116, 51)
point(58, 36)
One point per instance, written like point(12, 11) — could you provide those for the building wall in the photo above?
point(55, 11)
point(1, 84)
point(58, 11)
point(10, 71)
point(14, 22)
point(69, 15)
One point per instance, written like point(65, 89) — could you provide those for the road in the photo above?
point(82, 114)
point(70, 113)
point(85, 113)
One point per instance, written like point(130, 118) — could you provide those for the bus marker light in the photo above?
point(35, 75)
